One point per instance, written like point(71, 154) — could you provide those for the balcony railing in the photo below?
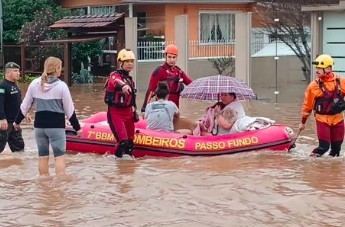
point(154, 50)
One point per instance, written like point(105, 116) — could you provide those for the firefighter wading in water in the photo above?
point(120, 98)
point(169, 73)
point(325, 96)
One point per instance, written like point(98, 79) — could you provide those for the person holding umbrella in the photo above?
point(230, 103)
point(170, 73)
point(229, 122)
point(325, 96)
point(225, 88)
point(216, 112)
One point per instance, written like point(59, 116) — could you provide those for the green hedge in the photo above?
point(28, 78)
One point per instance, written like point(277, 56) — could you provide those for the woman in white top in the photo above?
point(223, 125)
point(228, 102)
point(52, 100)
point(229, 123)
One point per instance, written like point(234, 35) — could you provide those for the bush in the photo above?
point(84, 77)
point(26, 79)
point(224, 65)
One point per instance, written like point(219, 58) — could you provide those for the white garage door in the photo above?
point(334, 38)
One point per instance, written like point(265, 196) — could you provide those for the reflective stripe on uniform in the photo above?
point(120, 82)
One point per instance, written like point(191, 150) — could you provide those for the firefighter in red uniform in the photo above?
point(171, 74)
point(120, 98)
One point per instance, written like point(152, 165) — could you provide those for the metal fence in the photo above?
point(151, 50)
point(154, 50)
point(31, 57)
point(259, 41)
point(199, 50)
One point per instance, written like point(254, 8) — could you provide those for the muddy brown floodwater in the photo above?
point(249, 189)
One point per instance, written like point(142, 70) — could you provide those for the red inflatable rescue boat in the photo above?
point(98, 138)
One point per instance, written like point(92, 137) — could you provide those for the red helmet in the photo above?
point(171, 49)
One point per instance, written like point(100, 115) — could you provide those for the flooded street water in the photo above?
point(248, 189)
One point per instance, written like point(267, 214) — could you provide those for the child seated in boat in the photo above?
point(160, 114)
point(207, 122)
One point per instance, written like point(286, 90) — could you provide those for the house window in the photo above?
point(217, 27)
point(95, 10)
point(79, 11)
point(142, 24)
point(98, 10)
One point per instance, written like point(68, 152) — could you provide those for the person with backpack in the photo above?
point(169, 73)
point(120, 95)
point(325, 96)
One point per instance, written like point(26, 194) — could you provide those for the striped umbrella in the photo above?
point(209, 88)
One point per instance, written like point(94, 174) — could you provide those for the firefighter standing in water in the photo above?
point(325, 96)
point(120, 98)
point(169, 73)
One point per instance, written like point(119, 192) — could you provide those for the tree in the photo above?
point(38, 29)
point(292, 27)
point(18, 12)
point(82, 51)
point(223, 64)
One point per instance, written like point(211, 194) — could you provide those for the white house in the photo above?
point(328, 32)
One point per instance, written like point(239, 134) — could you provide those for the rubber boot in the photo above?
point(121, 148)
point(321, 149)
point(129, 151)
point(335, 149)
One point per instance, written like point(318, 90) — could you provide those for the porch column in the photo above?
point(316, 39)
point(67, 74)
point(243, 25)
point(131, 40)
point(130, 10)
point(22, 60)
point(182, 41)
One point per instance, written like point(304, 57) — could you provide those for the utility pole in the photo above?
point(276, 58)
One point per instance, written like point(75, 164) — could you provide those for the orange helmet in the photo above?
point(171, 49)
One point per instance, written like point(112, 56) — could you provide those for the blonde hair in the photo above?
point(51, 65)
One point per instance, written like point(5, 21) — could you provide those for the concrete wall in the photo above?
point(155, 18)
point(144, 72)
point(193, 10)
point(291, 83)
point(243, 46)
point(196, 68)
